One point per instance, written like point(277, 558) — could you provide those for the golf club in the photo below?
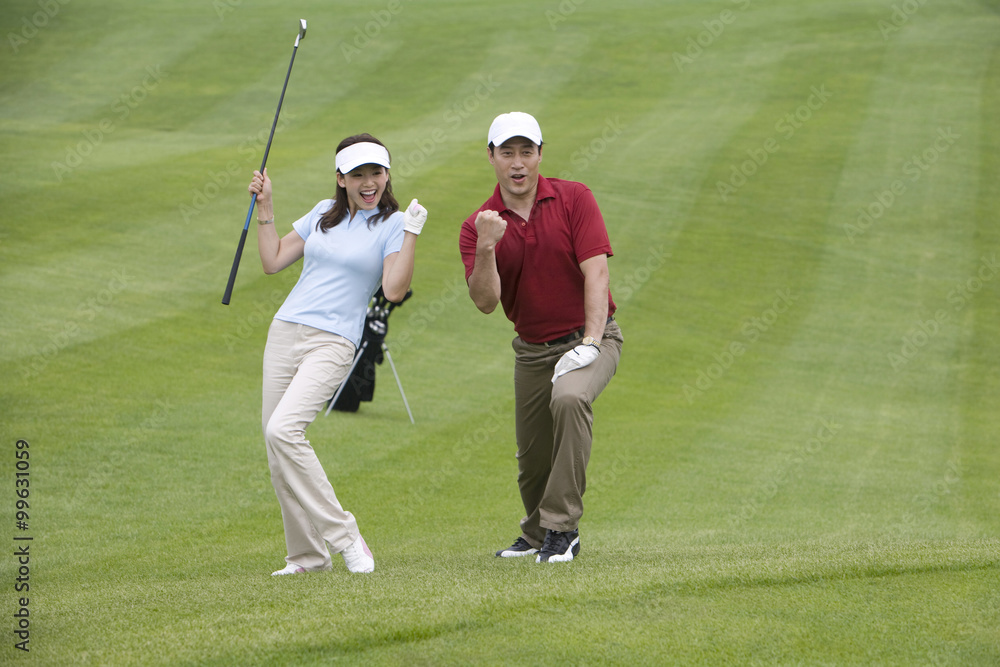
point(253, 199)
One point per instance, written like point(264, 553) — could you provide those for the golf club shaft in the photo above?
point(347, 378)
point(406, 404)
point(253, 199)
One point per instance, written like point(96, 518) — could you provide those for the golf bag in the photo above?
point(360, 383)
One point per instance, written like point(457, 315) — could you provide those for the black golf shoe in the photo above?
point(559, 547)
point(519, 548)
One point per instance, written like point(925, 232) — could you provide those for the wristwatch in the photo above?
point(593, 342)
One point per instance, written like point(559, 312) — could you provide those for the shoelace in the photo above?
point(555, 543)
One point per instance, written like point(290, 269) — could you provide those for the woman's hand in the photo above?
point(261, 186)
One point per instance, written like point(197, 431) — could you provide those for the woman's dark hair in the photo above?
point(387, 204)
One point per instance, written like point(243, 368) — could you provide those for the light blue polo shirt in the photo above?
point(342, 269)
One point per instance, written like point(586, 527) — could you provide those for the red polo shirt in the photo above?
point(541, 284)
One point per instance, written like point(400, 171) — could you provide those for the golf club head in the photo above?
point(302, 31)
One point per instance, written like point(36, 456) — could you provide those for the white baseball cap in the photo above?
point(361, 153)
point(514, 124)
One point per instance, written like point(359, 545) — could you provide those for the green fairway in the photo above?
point(796, 463)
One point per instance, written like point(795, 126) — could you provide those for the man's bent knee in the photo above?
point(568, 401)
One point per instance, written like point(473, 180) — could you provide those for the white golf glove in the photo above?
point(578, 357)
point(414, 218)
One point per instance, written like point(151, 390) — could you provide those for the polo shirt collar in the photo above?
point(365, 215)
point(544, 191)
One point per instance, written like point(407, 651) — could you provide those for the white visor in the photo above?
point(356, 155)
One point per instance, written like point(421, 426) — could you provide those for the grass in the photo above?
point(795, 464)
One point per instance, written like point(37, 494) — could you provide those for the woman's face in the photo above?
point(364, 186)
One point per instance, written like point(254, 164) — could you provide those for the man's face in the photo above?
point(515, 162)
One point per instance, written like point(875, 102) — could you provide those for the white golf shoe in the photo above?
point(291, 568)
point(358, 556)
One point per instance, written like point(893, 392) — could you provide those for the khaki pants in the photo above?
point(302, 368)
point(554, 425)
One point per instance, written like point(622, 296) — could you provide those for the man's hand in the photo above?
point(578, 357)
point(490, 228)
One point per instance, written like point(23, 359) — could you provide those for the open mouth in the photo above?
point(368, 196)
point(518, 178)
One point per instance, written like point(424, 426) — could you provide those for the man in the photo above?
point(539, 246)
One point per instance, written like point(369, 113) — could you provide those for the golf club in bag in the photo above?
point(253, 199)
point(359, 385)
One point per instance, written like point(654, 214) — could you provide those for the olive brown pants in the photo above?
point(554, 427)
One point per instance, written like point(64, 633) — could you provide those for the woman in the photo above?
point(350, 245)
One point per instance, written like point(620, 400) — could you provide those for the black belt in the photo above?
point(562, 340)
